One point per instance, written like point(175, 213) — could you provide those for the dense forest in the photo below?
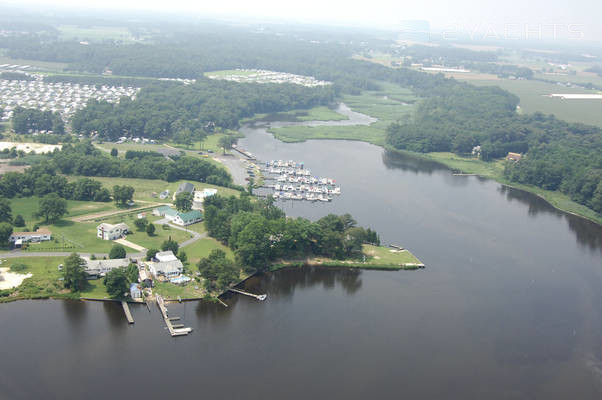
point(164, 110)
point(560, 156)
point(259, 232)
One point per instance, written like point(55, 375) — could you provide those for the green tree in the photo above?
point(52, 207)
point(150, 229)
point(74, 273)
point(226, 142)
point(123, 194)
point(117, 251)
point(5, 211)
point(131, 272)
point(19, 221)
point(150, 254)
point(182, 256)
point(114, 152)
point(117, 283)
point(170, 244)
point(141, 223)
point(184, 201)
point(6, 230)
point(218, 270)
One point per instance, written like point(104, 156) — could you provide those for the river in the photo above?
point(508, 307)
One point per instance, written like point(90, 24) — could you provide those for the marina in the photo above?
point(295, 182)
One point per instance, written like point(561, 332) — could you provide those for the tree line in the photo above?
point(27, 120)
point(163, 111)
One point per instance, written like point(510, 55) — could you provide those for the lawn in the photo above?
point(390, 104)
point(45, 280)
point(95, 290)
point(201, 249)
point(379, 255)
point(170, 291)
point(27, 206)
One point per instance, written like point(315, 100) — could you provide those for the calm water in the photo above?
point(509, 306)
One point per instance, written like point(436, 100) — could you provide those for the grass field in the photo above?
point(226, 72)
point(320, 113)
point(42, 65)
point(202, 248)
point(44, 282)
point(533, 97)
point(390, 104)
point(27, 206)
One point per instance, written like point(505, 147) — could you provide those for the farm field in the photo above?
point(533, 97)
point(390, 104)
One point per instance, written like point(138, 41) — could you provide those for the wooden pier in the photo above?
point(174, 330)
point(260, 297)
point(126, 310)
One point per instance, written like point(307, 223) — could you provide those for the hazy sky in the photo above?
point(510, 17)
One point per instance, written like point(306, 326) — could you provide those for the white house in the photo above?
point(167, 269)
point(165, 256)
point(40, 235)
point(111, 232)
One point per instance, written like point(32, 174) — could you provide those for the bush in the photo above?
point(18, 267)
point(150, 229)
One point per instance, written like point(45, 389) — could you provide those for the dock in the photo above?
point(396, 247)
point(174, 330)
point(260, 297)
point(243, 152)
point(126, 310)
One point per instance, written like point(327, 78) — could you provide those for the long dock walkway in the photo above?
point(260, 297)
point(126, 310)
point(176, 330)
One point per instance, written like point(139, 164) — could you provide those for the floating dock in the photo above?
point(126, 310)
point(260, 297)
point(174, 330)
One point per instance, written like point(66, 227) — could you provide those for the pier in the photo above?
point(243, 152)
point(260, 297)
point(174, 330)
point(126, 310)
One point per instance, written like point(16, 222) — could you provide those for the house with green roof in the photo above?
point(178, 218)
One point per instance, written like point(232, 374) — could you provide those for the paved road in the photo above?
point(195, 235)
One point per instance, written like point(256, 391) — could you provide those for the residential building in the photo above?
point(188, 218)
point(111, 232)
point(165, 256)
point(18, 238)
point(200, 196)
point(98, 268)
point(184, 187)
point(178, 218)
point(166, 269)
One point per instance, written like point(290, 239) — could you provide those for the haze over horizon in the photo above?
point(512, 20)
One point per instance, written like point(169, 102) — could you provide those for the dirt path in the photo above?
point(130, 244)
point(88, 217)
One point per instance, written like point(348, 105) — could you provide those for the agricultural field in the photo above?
point(95, 33)
point(390, 104)
point(534, 97)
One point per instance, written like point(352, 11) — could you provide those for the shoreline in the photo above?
point(551, 197)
